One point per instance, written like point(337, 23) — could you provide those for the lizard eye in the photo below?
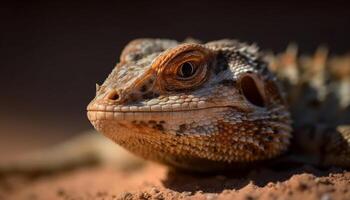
point(252, 89)
point(186, 70)
point(185, 67)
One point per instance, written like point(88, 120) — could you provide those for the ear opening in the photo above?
point(252, 89)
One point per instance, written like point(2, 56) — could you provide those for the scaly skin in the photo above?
point(318, 94)
point(193, 106)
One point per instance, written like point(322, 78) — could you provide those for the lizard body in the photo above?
point(218, 105)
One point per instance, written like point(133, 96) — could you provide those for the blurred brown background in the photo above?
point(52, 54)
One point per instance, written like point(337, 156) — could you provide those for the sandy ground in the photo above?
point(154, 181)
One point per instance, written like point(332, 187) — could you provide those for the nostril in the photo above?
point(114, 96)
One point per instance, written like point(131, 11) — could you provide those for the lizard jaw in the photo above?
point(160, 136)
point(168, 136)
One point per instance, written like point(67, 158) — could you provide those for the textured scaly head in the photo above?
point(192, 104)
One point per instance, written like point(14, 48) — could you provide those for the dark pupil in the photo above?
point(186, 70)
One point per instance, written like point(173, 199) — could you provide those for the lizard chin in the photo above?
point(190, 139)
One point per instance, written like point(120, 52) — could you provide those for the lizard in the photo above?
point(211, 106)
point(224, 104)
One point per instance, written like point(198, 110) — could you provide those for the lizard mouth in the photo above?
point(101, 112)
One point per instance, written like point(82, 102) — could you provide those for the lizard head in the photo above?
point(192, 104)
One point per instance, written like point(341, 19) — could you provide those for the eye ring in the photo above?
point(186, 70)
